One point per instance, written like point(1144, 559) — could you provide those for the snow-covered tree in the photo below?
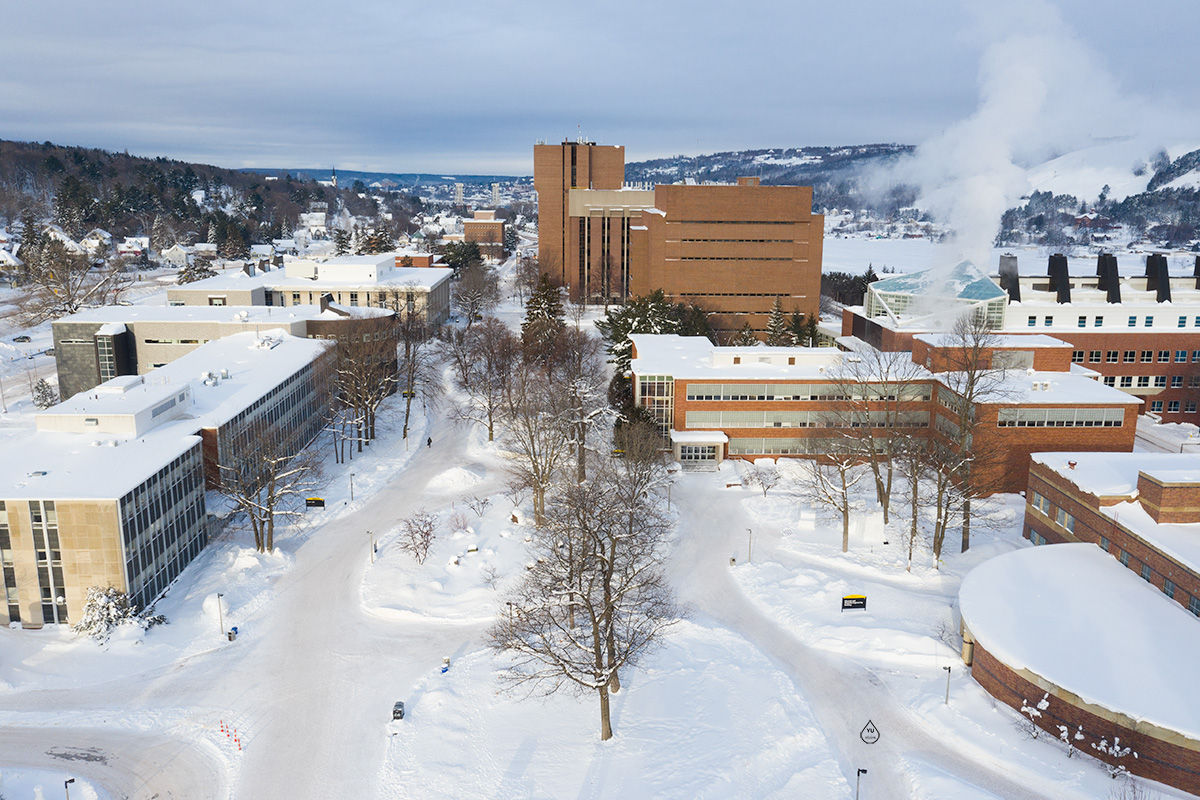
point(830, 479)
point(196, 270)
point(61, 282)
point(745, 337)
point(107, 608)
point(653, 313)
point(778, 334)
point(477, 292)
point(341, 242)
point(761, 474)
point(595, 598)
point(484, 358)
point(417, 534)
point(44, 395)
point(543, 319)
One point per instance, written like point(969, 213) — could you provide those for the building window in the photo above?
point(1098, 323)
point(1048, 321)
point(1156, 406)
point(1064, 519)
point(1189, 407)
point(737, 359)
point(1130, 356)
point(1094, 357)
point(1036, 537)
point(1126, 381)
point(1176, 381)
point(1076, 356)
point(1160, 381)
point(1147, 356)
point(1194, 382)
point(1183, 322)
point(1032, 322)
point(1196, 353)
point(1181, 356)
point(1169, 587)
point(1123, 557)
point(1146, 572)
point(1041, 503)
point(1133, 322)
point(1149, 322)
point(1110, 380)
point(295, 298)
point(1194, 605)
point(354, 298)
point(1172, 406)
point(1143, 382)
point(1104, 543)
point(1164, 356)
point(1112, 356)
point(1083, 322)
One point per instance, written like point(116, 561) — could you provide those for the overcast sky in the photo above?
point(468, 87)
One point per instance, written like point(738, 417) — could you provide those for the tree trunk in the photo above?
point(605, 720)
point(966, 525)
point(912, 533)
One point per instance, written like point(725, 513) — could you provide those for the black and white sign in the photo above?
point(870, 734)
point(854, 601)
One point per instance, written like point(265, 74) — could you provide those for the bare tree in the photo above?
point(525, 277)
point(882, 398)
point(417, 534)
point(267, 480)
point(535, 429)
point(484, 359)
point(579, 369)
point(761, 474)
point(829, 479)
point(476, 293)
point(595, 600)
point(419, 365)
point(973, 375)
point(366, 371)
point(62, 282)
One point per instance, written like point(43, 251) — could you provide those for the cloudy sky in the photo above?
point(464, 86)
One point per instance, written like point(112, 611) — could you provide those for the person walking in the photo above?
point(429, 442)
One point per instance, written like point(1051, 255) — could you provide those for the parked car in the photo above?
point(22, 339)
point(398, 710)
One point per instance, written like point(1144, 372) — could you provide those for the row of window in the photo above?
point(1131, 356)
point(826, 392)
point(1098, 321)
point(1145, 381)
point(1060, 418)
point(805, 419)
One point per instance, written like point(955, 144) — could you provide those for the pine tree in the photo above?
point(745, 337)
point(197, 270)
point(543, 318)
point(341, 242)
point(44, 395)
point(650, 314)
point(778, 334)
point(160, 234)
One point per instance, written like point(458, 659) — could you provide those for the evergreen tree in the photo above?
point(543, 318)
point(234, 245)
point(650, 314)
point(341, 242)
point(745, 337)
point(196, 270)
point(160, 234)
point(44, 395)
point(778, 334)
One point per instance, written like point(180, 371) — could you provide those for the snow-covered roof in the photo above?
point(127, 314)
point(1116, 474)
point(1000, 340)
point(1027, 387)
point(1064, 611)
point(695, 357)
point(699, 437)
point(55, 465)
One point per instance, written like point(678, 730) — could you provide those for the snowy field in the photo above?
point(761, 692)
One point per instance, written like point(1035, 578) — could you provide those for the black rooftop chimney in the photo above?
point(1196, 272)
point(1010, 279)
point(1109, 278)
point(1157, 277)
point(1060, 279)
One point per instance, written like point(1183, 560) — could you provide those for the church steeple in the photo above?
point(335, 177)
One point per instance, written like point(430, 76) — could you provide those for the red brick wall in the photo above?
point(1169, 502)
point(1120, 340)
point(1157, 760)
point(1091, 525)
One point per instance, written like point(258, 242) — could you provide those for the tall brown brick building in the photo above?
point(730, 249)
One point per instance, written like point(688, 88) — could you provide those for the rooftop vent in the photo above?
point(1010, 279)
point(1108, 279)
point(1060, 278)
point(1158, 279)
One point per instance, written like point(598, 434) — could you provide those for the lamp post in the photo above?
point(857, 781)
point(351, 487)
point(947, 685)
point(749, 542)
point(220, 615)
point(67, 787)
point(372, 537)
point(669, 485)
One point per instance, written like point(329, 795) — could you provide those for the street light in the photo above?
point(857, 781)
point(220, 616)
point(749, 542)
point(372, 535)
point(947, 685)
point(67, 787)
point(351, 487)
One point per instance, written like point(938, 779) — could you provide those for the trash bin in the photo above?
point(232, 634)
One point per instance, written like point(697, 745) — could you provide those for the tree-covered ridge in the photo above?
point(84, 188)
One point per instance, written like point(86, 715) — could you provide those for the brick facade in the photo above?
point(1162, 755)
point(1087, 524)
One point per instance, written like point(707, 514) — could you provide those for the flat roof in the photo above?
point(692, 357)
point(1116, 474)
point(1027, 387)
point(1073, 615)
point(53, 465)
point(126, 314)
point(1002, 340)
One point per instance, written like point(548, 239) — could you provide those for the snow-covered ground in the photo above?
point(762, 691)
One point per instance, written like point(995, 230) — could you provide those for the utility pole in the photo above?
point(749, 542)
point(351, 487)
point(220, 615)
point(947, 685)
point(372, 536)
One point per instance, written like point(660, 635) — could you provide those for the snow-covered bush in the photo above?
point(44, 395)
point(106, 609)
